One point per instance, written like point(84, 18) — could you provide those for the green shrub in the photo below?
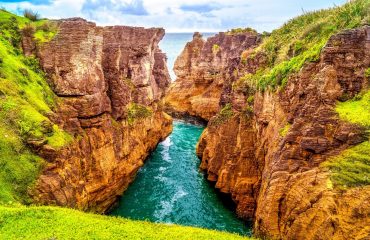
point(241, 30)
point(28, 30)
point(136, 111)
point(225, 114)
point(31, 15)
point(45, 31)
point(284, 131)
point(215, 48)
point(367, 73)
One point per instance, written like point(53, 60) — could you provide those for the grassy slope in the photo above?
point(59, 223)
point(352, 167)
point(300, 40)
point(25, 101)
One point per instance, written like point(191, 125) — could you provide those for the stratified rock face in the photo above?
point(204, 70)
point(97, 72)
point(275, 178)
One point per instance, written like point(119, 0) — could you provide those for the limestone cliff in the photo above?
point(204, 70)
point(268, 156)
point(109, 81)
point(269, 144)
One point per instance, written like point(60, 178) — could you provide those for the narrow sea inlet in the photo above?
point(171, 189)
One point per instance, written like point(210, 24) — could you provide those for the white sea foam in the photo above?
point(166, 206)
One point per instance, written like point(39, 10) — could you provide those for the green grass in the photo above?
point(137, 111)
point(215, 48)
point(284, 131)
point(356, 110)
point(59, 223)
point(236, 31)
point(301, 40)
point(351, 168)
point(25, 102)
point(225, 114)
point(367, 73)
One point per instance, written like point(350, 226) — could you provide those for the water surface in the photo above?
point(171, 189)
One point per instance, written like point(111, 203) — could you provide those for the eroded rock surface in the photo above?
point(275, 176)
point(204, 70)
point(99, 73)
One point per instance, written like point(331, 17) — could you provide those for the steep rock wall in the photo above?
point(204, 70)
point(109, 81)
point(269, 160)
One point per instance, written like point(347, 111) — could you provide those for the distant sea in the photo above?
point(173, 44)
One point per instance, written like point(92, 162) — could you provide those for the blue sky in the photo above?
point(176, 15)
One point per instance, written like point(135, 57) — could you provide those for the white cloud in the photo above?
point(180, 15)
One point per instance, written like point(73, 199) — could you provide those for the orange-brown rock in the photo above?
point(204, 69)
point(97, 73)
point(275, 178)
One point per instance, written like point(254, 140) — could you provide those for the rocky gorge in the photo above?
point(286, 113)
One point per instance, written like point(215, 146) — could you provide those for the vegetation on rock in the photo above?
point(59, 223)
point(225, 114)
point(137, 111)
point(351, 168)
point(26, 100)
point(356, 110)
point(300, 41)
point(284, 131)
point(241, 30)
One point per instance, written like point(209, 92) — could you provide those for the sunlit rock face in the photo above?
point(97, 74)
point(269, 159)
point(204, 70)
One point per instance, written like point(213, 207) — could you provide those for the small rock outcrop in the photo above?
point(204, 70)
point(109, 81)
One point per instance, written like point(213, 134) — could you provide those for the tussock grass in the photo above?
point(31, 15)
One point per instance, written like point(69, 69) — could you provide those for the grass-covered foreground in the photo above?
point(59, 223)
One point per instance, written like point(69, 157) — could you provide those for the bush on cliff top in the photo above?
point(59, 223)
point(25, 102)
point(301, 39)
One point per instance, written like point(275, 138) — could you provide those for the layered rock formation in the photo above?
point(109, 81)
point(204, 70)
point(269, 159)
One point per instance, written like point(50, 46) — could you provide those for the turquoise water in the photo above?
point(171, 189)
point(173, 44)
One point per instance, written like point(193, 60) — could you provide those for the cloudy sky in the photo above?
point(176, 15)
